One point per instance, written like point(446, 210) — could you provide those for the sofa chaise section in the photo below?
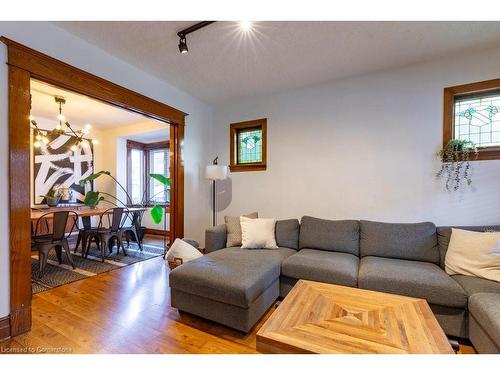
point(232, 286)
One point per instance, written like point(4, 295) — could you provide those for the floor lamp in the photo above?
point(215, 172)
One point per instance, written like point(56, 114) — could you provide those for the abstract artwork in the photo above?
point(56, 165)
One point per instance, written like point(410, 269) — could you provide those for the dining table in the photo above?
point(81, 211)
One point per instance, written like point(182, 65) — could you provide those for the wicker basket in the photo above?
point(172, 264)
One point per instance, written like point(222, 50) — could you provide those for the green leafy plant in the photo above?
point(93, 198)
point(455, 163)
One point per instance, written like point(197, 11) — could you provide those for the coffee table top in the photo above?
point(323, 318)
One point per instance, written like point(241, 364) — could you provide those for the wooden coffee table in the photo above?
point(325, 318)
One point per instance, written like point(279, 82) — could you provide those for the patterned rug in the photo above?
point(56, 274)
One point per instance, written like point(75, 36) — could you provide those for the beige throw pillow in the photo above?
point(258, 233)
point(474, 254)
point(233, 228)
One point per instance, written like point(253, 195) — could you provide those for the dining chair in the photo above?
point(44, 221)
point(84, 233)
point(132, 227)
point(108, 231)
point(57, 240)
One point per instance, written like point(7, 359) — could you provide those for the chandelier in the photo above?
point(62, 127)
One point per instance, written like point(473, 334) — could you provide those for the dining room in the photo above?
point(99, 186)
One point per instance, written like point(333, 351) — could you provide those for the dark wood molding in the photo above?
point(56, 72)
point(19, 200)
point(4, 328)
point(450, 93)
point(176, 151)
point(157, 232)
point(25, 64)
point(234, 128)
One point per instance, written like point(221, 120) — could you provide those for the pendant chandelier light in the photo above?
point(62, 127)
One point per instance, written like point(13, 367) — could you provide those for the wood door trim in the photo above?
point(4, 328)
point(25, 64)
point(449, 94)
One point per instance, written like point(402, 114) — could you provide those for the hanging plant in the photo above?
point(455, 167)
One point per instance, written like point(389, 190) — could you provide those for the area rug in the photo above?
point(56, 274)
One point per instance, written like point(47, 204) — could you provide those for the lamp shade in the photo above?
point(216, 172)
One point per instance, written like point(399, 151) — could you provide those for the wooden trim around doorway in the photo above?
point(26, 64)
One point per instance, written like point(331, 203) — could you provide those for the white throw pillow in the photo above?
point(183, 250)
point(258, 233)
point(474, 254)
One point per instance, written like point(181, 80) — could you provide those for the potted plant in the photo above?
point(455, 158)
point(93, 198)
point(52, 198)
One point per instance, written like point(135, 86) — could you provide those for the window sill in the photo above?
point(490, 153)
point(247, 167)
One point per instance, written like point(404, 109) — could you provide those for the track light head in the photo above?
point(183, 48)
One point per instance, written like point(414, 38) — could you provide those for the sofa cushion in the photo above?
point(287, 233)
point(473, 285)
point(444, 235)
point(411, 278)
point(235, 276)
point(331, 235)
point(485, 308)
point(415, 241)
point(233, 227)
point(323, 266)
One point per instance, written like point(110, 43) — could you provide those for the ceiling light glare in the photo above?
point(246, 25)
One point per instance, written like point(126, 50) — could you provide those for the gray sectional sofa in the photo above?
point(235, 286)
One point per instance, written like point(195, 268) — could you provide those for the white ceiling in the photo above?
point(151, 136)
point(79, 109)
point(224, 63)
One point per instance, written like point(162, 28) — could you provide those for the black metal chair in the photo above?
point(108, 231)
point(57, 240)
point(84, 234)
point(132, 227)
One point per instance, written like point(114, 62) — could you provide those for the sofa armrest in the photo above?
point(215, 238)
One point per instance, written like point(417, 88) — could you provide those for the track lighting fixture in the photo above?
point(183, 48)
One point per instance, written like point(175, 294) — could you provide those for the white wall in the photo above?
point(49, 39)
point(362, 148)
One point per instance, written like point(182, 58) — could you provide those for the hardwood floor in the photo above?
point(125, 311)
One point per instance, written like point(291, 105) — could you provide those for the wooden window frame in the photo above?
point(25, 64)
point(145, 147)
point(235, 128)
point(450, 93)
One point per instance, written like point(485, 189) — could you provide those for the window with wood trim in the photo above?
point(143, 159)
point(471, 113)
point(248, 143)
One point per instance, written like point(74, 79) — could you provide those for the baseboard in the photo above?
point(157, 232)
point(4, 328)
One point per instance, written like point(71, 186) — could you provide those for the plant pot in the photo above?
point(52, 201)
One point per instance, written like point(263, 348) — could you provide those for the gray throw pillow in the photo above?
point(233, 228)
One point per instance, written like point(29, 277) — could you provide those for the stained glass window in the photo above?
point(250, 146)
point(477, 119)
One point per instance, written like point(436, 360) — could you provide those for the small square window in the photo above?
point(472, 113)
point(248, 145)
